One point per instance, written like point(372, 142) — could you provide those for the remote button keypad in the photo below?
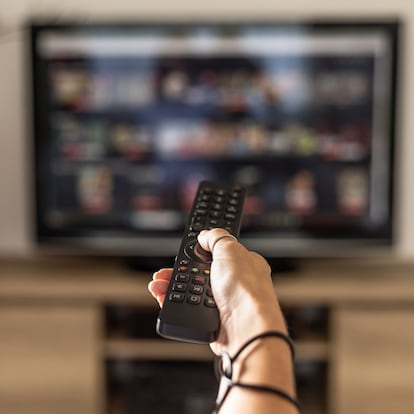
point(214, 207)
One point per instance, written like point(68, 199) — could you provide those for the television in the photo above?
point(129, 116)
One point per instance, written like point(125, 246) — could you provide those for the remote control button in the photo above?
point(232, 209)
point(179, 287)
point(183, 268)
point(230, 216)
point(219, 199)
point(202, 255)
point(198, 290)
point(199, 280)
point(200, 212)
point(181, 277)
point(217, 206)
point(194, 300)
point(177, 297)
point(195, 270)
point(221, 192)
point(215, 214)
point(195, 252)
point(206, 272)
point(203, 204)
point(214, 222)
point(234, 202)
point(210, 302)
point(189, 249)
point(184, 262)
point(196, 226)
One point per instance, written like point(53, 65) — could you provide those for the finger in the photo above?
point(158, 289)
point(209, 239)
point(162, 274)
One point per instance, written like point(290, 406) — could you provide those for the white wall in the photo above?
point(14, 179)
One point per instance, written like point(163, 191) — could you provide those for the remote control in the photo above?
point(189, 312)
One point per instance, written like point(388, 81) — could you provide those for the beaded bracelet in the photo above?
point(223, 365)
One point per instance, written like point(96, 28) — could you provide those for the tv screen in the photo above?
point(129, 117)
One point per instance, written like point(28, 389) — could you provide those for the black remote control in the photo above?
point(189, 312)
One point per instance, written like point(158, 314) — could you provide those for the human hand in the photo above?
point(242, 288)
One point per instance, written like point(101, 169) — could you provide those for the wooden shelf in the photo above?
point(167, 350)
point(330, 283)
point(156, 349)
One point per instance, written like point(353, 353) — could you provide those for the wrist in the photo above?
point(249, 319)
point(268, 360)
point(271, 317)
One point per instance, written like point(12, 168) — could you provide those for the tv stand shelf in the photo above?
point(55, 340)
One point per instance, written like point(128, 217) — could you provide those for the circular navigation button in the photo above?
point(197, 253)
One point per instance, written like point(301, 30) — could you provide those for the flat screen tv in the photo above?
point(128, 117)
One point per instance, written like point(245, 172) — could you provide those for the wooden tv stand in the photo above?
point(55, 340)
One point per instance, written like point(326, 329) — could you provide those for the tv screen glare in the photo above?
point(128, 118)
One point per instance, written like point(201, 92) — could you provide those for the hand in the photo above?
point(242, 288)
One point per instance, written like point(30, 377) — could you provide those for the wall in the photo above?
point(14, 171)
